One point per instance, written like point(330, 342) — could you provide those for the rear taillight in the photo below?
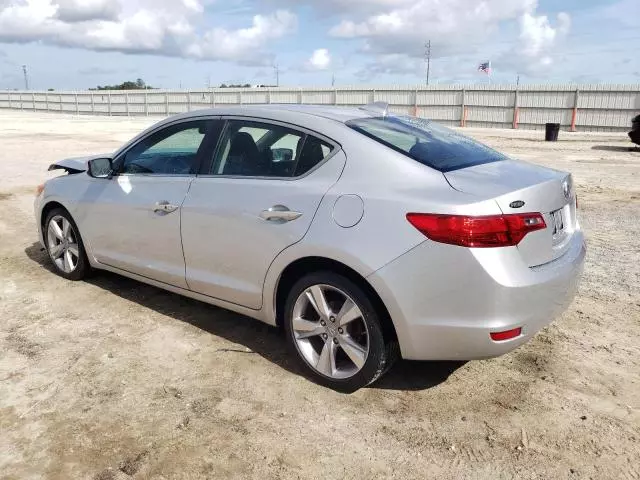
point(478, 232)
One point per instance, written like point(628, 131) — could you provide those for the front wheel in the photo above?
point(65, 246)
point(336, 332)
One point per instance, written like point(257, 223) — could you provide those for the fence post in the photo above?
point(33, 100)
point(93, 105)
point(77, 106)
point(335, 96)
point(268, 95)
point(109, 102)
point(463, 109)
point(373, 95)
point(126, 102)
point(46, 101)
point(574, 115)
point(146, 104)
point(166, 103)
point(20, 99)
point(213, 98)
point(240, 97)
point(300, 95)
point(516, 108)
point(415, 102)
point(188, 100)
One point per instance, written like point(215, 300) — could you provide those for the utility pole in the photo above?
point(333, 79)
point(427, 55)
point(518, 80)
point(277, 70)
point(26, 77)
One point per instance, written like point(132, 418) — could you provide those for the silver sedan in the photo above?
point(367, 236)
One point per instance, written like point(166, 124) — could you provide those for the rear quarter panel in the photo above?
point(390, 186)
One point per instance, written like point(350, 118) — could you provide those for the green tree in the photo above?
point(139, 84)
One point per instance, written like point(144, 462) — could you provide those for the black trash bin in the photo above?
point(551, 132)
point(634, 134)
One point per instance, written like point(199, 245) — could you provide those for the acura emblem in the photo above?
point(566, 189)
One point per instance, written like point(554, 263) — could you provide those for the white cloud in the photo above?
point(396, 32)
point(537, 34)
point(538, 38)
point(246, 43)
point(319, 60)
point(163, 27)
point(82, 10)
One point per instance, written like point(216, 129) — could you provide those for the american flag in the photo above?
point(485, 67)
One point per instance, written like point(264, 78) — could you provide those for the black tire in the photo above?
point(82, 268)
point(382, 351)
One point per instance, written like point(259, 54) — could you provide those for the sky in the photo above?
point(79, 44)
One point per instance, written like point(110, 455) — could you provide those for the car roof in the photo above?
point(338, 113)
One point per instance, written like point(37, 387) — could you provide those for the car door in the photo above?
point(133, 219)
point(257, 197)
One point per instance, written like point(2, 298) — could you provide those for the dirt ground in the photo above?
point(112, 379)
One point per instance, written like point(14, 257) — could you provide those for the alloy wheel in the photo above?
point(62, 244)
point(330, 332)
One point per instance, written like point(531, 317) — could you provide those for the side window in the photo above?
point(171, 151)
point(256, 149)
point(313, 152)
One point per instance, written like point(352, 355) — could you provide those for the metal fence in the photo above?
point(581, 107)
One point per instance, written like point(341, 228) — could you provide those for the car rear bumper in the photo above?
point(446, 300)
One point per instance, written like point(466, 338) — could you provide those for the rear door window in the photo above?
point(259, 149)
point(426, 142)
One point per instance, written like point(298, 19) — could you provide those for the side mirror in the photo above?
point(100, 168)
point(282, 154)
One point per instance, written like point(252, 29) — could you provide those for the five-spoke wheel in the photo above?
point(64, 245)
point(330, 331)
point(336, 331)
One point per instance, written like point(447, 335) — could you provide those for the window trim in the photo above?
point(206, 143)
point(206, 165)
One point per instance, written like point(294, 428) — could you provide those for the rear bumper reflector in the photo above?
point(506, 335)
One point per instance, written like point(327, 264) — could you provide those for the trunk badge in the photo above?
point(517, 204)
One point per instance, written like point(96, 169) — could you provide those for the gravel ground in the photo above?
point(113, 379)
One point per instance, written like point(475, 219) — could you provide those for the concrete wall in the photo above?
point(575, 107)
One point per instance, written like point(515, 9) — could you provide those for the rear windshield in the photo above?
point(428, 143)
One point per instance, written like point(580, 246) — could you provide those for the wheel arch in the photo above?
point(302, 266)
point(48, 207)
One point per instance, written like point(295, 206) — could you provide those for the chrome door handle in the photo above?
point(164, 207)
point(279, 213)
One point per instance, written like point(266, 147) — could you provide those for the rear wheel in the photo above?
point(336, 332)
point(64, 245)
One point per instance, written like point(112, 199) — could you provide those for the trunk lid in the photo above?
point(520, 187)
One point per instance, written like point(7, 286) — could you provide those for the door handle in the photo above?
point(279, 213)
point(164, 207)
